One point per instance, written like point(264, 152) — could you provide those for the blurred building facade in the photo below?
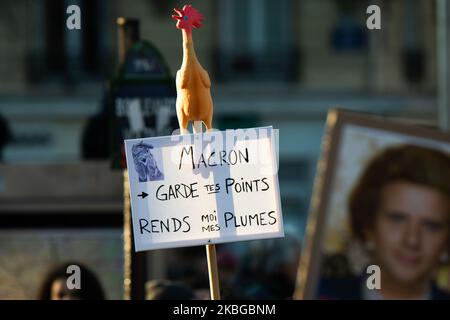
point(318, 45)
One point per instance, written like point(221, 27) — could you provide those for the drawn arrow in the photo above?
point(143, 195)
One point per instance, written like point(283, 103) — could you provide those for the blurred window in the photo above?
point(58, 53)
point(349, 33)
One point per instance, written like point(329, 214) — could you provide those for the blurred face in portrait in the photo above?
point(410, 232)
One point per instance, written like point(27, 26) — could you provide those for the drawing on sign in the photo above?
point(145, 163)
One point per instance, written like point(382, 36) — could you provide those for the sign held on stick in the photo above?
point(206, 188)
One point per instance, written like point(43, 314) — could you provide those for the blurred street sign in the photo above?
point(142, 99)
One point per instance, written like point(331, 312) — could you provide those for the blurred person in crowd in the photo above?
point(168, 290)
point(336, 265)
point(95, 140)
point(188, 265)
point(55, 287)
point(282, 265)
point(251, 274)
point(228, 263)
point(5, 135)
point(269, 270)
point(400, 213)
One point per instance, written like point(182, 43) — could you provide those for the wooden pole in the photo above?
point(211, 257)
point(128, 33)
point(127, 244)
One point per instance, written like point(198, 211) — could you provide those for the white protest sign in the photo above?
point(205, 188)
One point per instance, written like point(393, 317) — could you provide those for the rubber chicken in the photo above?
point(194, 101)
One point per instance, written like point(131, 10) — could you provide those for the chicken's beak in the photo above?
point(179, 14)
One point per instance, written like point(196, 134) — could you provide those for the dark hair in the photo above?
point(409, 163)
point(91, 288)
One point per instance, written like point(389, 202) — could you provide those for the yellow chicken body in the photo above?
point(194, 101)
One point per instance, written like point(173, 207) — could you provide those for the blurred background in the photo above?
point(283, 63)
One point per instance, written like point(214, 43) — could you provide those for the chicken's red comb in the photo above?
point(195, 17)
